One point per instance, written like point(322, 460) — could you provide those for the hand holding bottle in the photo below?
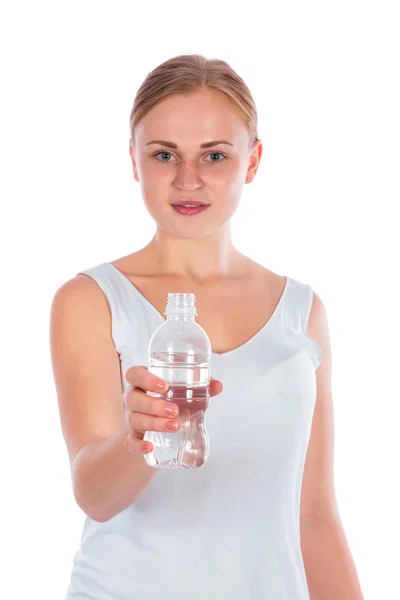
point(146, 413)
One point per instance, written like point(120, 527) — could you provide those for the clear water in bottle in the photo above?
point(180, 353)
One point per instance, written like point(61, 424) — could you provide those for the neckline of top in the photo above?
point(262, 329)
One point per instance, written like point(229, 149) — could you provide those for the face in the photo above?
point(187, 171)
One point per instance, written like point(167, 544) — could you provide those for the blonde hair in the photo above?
point(188, 73)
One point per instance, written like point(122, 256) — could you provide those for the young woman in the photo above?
point(259, 520)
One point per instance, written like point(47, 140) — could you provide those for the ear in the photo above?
point(254, 161)
point(132, 154)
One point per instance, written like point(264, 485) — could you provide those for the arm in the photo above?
point(330, 570)
point(107, 478)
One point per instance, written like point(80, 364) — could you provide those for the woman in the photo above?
point(250, 524)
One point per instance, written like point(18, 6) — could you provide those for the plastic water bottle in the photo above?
point(180, 352)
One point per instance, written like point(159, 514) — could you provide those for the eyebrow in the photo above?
point(172, 145)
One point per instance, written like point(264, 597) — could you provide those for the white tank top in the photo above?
point(229, 530)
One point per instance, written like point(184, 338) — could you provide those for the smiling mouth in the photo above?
point(190, 208)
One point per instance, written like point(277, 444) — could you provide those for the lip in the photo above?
point(194, 210)
point(193, 202)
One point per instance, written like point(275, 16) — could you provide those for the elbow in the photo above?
point(97, 511)
point(87, 495)
point(90, 503)
point(96, 507)
point(93, 510)
point(100, 518)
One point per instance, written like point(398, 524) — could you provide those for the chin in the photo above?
point(191, 227)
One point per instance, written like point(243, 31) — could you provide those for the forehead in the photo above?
point(204, 115)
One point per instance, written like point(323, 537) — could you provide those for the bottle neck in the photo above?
point(177, 317)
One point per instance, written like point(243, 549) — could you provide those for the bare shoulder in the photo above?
point(318, 329)
point(78, 286)
point(80, 299)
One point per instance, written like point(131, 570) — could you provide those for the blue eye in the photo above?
point(164, 152)
point(216, 153)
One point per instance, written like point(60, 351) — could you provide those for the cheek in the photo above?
point(230, 174)
point(150, 168)
point(229, 183)
point(154, 178)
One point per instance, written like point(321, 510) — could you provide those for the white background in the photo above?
point(325, 79)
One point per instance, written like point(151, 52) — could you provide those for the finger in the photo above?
point(139, 401)
point(139, 376)
point(137, 445)
point(140, 422)
point(216, 387)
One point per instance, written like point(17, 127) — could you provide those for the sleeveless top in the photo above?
point(231, 529)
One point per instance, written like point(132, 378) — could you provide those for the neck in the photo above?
point(200, 260)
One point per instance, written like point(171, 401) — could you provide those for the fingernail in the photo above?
point(172, 425)
point(160, 385)
point(170, 411)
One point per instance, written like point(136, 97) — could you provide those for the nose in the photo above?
point(187, 176)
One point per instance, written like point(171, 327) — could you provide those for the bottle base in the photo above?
point(172, 464)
